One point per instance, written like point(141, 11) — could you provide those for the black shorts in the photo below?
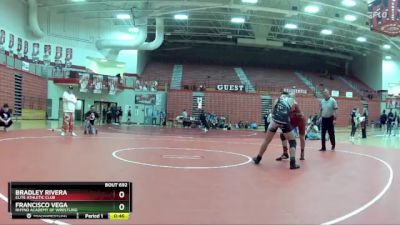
point(273, 127)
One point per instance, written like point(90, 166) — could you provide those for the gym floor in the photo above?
point(186, 176)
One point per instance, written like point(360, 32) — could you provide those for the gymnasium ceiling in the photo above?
point(209, 22)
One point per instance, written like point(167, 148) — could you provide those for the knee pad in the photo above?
point(292, 143)
point(282, 137)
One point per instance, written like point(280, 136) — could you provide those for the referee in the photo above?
point(328, 116)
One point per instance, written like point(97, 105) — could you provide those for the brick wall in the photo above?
point(236, 106)
point(34, 89)
point(374, 110)
point(247, 107)
point(177, 101)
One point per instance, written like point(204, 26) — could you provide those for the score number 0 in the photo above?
point(121, 206)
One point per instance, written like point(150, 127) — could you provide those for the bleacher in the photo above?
point(209, 76)
point(157, 71)
point(273, 81)
point(333, 82)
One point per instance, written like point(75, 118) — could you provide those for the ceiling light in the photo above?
point(250, 1)
point(326, 32)
point(237, 20)
point(78, 0)
point(311, 9)
point(349, 3)
point(361, 39)
point(350, 18)
point(103, 60)
point(120, 65)
point(386, 46)
point(181, 17)
point(123, 16)
point(134, 29)
point(388, 57)
point(290, 26)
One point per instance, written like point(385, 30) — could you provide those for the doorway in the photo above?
point(102, 108)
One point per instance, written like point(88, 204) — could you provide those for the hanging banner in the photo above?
point(11, 42)
point(97, 84)
point(68, 54)
point(35, 50)
point(2, 37)
point(47, 50)
point(84, 82)
point(112, 85)
point(58, 53)
point(335, 93)
point(392, 103)
point(385, 16)
point(19, 47)
point(26, 47)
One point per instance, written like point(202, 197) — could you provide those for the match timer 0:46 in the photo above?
point(70, 200)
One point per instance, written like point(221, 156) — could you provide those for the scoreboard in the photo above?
point(70, 200)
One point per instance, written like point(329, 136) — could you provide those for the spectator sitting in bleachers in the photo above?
point(5, 117)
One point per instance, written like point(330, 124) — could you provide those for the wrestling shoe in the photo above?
point(293, 165)
point(62, 133)
point(257, 159)
point(302, 156)
point(73, 134)
point(283, 156)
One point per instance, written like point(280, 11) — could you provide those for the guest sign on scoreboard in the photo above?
point(71, 200)
point(385, 16)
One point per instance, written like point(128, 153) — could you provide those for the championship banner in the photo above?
point(26, 47)
point(19, 47)
point(385, 17)
point(68, 54)
point(11, 42)
point(58, 53)
point(2, 37)
point(97, 84)
point(35, 51)
point(47, 50)
point(112, 85)
point(84, 82)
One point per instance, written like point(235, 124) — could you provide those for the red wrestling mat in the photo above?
point(184, 176)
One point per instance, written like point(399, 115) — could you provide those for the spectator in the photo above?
point(163, 118)
point(328, 118)
point(364, 123)
point(109, 115)
point(129, 115)
point(104, 115)
point(354, 123)
point(184, 114)
point(5, 117)
point(383, 119)
point(390, 120)
point(203, 121)
point(154, 116)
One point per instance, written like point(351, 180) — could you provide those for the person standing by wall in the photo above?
point(364, 123)
point(390, 119)
point(383, 119)
point(353, 121)
point(129, 113)
point(328, 118)
point(69, 105)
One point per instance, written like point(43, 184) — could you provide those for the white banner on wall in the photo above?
point(112, 85)
point(349, 94)
point(84, 82)
point(335, 93)
point(97, 83)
